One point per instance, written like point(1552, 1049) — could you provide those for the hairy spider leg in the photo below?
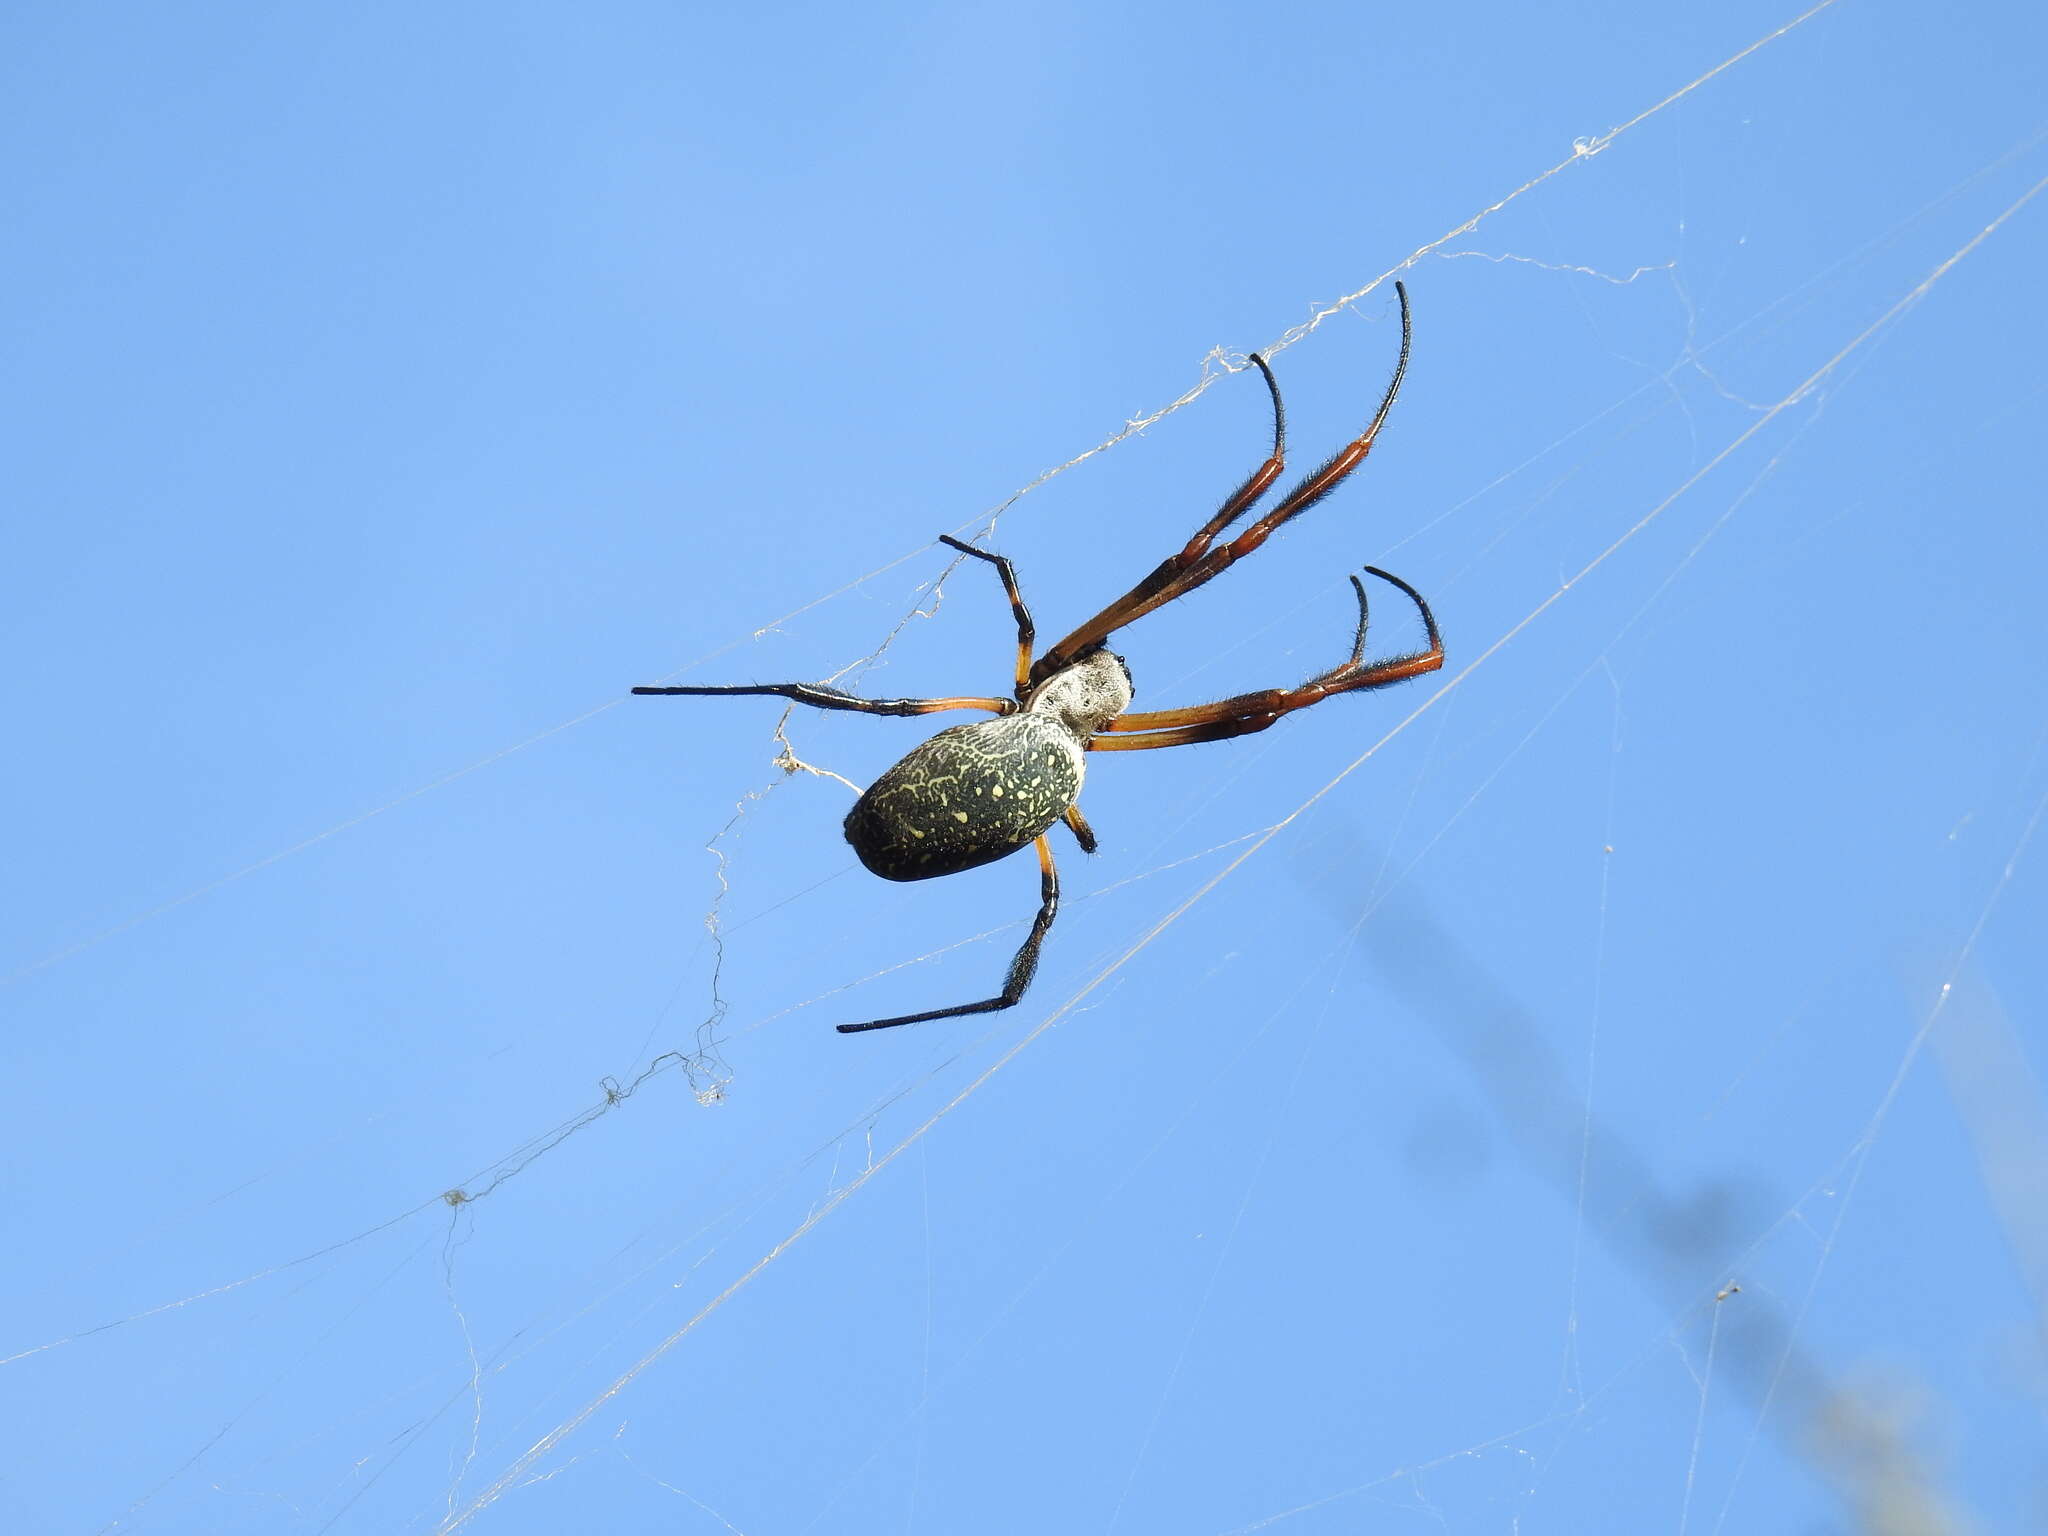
point(818, 696)
point(1244, 713)
point(1198, 564)
point(1185, 736)
point(1078, 825)
point(1264, 700)
point(1026, 633)
point(1022, 967)
point(1170, 569)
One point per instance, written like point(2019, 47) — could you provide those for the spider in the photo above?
point(976, 793)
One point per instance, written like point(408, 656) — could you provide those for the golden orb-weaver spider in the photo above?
point(976, 793)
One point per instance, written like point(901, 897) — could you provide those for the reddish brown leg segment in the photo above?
point(1244, 713)
point(1197, 564)
point(1078, 825)
point(1147, 594)
point(1186, 736)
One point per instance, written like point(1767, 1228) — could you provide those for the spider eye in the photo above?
point(1125, 665)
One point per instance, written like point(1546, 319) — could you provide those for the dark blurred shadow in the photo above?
point(1670, 1239)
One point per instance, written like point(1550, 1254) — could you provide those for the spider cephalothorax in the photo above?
point(976, 793)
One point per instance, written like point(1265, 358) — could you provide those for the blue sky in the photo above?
point(1592, 1089)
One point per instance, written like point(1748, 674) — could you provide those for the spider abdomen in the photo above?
point(966, 797)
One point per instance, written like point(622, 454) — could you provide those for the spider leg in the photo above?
point(1198, 564)
point(1078, 825)
point(818, 696)
point(1244, 713)
point(1022, 967)
point(1140, 599)
point(1185, 736)
point(1240, 500)
point(1026, 633)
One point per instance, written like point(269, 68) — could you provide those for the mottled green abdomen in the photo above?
point(967, 797)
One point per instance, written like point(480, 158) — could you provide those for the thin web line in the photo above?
point(217, 1290)
point(58, 955)
point(1699, 1423)
point(1573, 1379)
point(1228, 1070)
point(1309, 1040)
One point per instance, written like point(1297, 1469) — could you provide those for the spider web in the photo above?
point(1455, 1174)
